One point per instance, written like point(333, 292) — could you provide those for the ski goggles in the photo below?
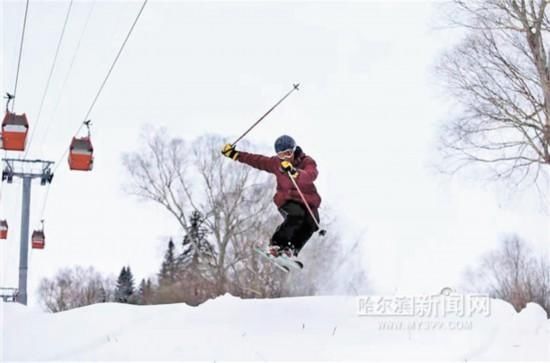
point(285, 154)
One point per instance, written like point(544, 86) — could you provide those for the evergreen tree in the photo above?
point(150, 290)
point(141, 292)
point(103, 294)
point(196, 263)
point(145, 292)
point(125, 286)
point(169, 268)
point(196, 249)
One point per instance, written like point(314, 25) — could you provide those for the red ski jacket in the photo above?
point(307, 173)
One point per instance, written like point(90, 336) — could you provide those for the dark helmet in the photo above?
point(284, 142)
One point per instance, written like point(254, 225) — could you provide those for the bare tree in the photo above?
point(254, 277)
point(499, 75)
point(75, 287)
point(513, 273)
point(331, 266)
point(234, 200)
point(237, 213)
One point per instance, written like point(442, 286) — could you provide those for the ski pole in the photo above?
point(294, 87)
point(322, 232)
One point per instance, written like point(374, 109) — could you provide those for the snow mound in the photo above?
point(306, 328)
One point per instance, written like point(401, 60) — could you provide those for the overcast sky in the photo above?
point(368, 111)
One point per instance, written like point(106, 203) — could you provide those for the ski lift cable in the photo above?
point(46, 197)
point(67, 75)
point(115, 61)
point(43, 212)
point(20, 54)
point(29, 144)
point(86, 118)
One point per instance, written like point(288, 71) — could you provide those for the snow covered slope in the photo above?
point(229, 328)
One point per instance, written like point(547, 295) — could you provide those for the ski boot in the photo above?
point(289, 252)
point(274, 250)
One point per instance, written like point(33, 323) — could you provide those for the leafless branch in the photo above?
point(499, 76)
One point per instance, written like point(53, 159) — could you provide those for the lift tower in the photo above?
point(27, 170)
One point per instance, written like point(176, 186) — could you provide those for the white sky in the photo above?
point(368, 112)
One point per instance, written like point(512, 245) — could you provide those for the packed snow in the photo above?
point(306, 328)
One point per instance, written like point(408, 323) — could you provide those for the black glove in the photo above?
point(230, 151)
point(287, 167)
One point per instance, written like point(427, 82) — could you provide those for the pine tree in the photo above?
point(196, 249)
point(125, 286)
point(141, 292)
point(150, 290)
point(145, 292)
point(169, 268)
point(196, 264)
point(103, 294)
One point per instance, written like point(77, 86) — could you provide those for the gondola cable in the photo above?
point(20, 54)
point(86, 122)
point(86, 118)
point(49, 78)
point(46, 131)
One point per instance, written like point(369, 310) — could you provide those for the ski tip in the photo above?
point(296, 85)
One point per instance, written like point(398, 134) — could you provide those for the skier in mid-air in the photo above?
point(290, 162)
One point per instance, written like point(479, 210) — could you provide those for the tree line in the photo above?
point(224, 210)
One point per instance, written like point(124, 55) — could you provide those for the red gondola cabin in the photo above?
point(81, 154)
point(38, 240)
point(14, 131)
point(3, 229)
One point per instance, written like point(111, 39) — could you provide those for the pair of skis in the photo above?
point(282, 262)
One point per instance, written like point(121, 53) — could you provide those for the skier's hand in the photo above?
point(287, 167)
point(230, 151)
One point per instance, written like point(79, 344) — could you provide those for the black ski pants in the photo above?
point(297, 227)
